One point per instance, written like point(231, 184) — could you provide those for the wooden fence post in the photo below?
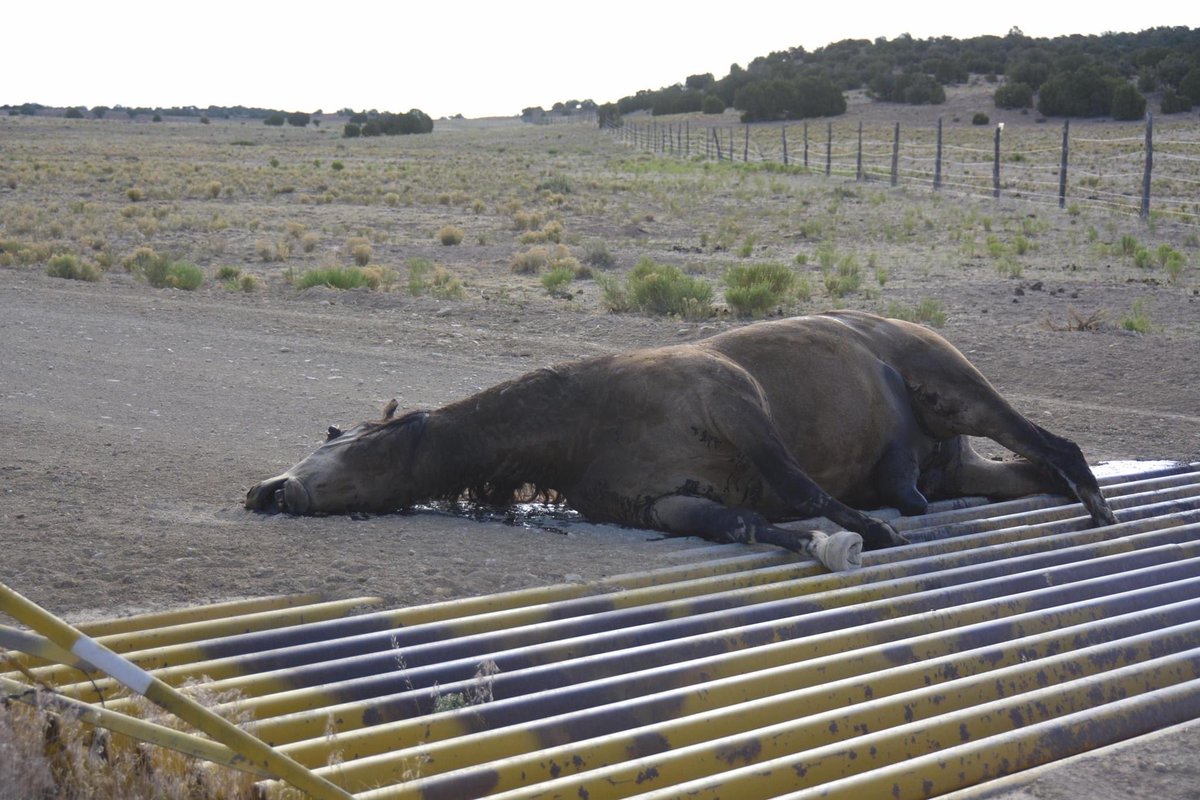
point(746, 146)
point(896, 155)
point(937, 163)
point(829, 151)
point(1149, 165)
point(717, 139)
point(806, 145)
point(783, 136)
point(687, 139)
point(1062, 169)
point(996, 163)
point(858, 167)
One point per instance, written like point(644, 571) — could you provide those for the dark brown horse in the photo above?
point(780, 420)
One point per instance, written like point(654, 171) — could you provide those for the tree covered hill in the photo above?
point(1107, 75)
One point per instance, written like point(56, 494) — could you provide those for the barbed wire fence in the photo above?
point(1155, 174)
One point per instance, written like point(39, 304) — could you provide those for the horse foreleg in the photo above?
point(698, 516)
point(746, 425)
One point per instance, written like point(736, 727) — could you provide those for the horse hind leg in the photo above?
point(955, 470)
point(896, 477)
point(697, 516)
point(975, 409)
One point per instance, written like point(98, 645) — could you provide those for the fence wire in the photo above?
point(1156, 173)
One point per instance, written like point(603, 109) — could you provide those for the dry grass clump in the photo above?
point(450, 235)
point(68, 266)
point(425, 277)
point(1077, 321)
point(269, 251)
point(45, 754)
point(360, 250)
point(531, 262)
point(551, 232)
point(526, 220)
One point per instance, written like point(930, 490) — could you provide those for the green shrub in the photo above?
point(68, 266)
point(656, 288)
point(1143, 258)
point(1014, 95)
point(596, 254)
point(1175, 103)
point(556, 280)
point(1171, 260)
point(1138, 318)
point(980, 118)
point(712, 104)
point(418, 275)
point(333, 277)
point(249, 283)
point(845, 279)
point(1127, 102)
point(182, 275)
point(752, 290)
point(228, 273)
point(556, 184)
point(162, 273)
point(424, 276)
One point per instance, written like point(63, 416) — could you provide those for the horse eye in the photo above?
point(333, 433)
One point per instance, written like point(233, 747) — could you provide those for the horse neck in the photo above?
point(517, 431)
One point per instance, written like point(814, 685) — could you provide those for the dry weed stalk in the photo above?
point(47, 753)
point(1078, 322)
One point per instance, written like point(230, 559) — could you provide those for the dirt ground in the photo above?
point(137, 418)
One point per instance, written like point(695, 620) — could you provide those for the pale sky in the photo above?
point(461, 56)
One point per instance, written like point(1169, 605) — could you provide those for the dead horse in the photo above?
point(721, 438)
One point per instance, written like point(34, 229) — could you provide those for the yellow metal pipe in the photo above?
point(162, 619)
point(980, 760)
point(258, 754)
point(190, 641)
point(806, 754)
point(139, 729)
point(154, 638)
point(758, 729)
point(158, 619)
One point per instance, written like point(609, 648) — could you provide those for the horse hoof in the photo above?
point(840, 551)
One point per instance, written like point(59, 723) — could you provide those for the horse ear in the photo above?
point(389, 410)
point(332, 433)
